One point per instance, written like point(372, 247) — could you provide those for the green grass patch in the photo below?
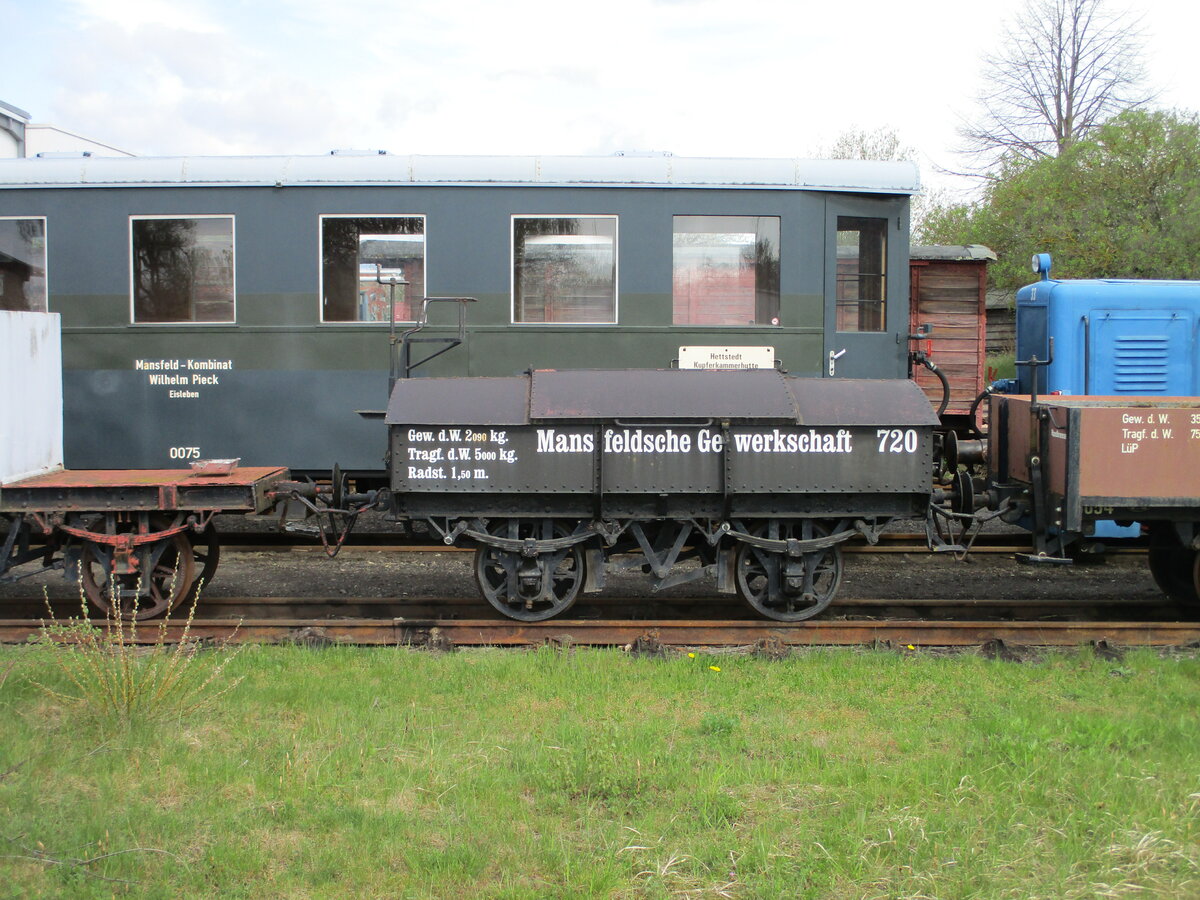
point(1003, 365)
point(392, 773)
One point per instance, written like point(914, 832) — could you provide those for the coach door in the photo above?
point(866, 284)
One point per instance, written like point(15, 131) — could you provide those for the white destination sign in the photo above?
point(726, 357)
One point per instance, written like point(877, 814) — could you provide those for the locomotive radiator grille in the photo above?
point(1140, 364)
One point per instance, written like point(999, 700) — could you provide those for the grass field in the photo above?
point(575, 773)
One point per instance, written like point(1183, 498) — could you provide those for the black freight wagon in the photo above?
point(757, 476)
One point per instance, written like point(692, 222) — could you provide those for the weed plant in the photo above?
point(107, 669)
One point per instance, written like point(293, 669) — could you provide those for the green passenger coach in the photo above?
point(239, 307)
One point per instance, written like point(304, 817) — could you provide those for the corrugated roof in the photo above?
point(858, 176)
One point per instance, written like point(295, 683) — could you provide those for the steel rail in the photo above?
point(670, 633)
point(697, 608)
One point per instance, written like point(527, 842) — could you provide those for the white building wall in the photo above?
point(31, 408)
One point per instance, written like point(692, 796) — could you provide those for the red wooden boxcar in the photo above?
point(949, 288)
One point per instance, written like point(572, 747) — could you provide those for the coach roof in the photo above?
point(856, 176)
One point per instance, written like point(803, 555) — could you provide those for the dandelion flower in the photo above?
point(911, 647)
point(715, 668)
point(691, 656)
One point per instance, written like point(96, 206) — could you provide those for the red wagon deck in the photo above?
point(133, 490)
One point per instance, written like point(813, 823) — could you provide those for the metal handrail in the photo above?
point(399, 348)
point(407, 338)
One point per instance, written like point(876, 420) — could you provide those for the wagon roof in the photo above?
point(660, 394)
point(856, 176)
point(657, 395)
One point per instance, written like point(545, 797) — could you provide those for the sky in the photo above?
point(758, 78)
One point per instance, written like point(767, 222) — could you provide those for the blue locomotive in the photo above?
point(1112, 337)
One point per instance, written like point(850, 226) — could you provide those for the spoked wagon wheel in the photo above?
point(1176, 568)
point(163, 580)
point(530, 589)
point(206, 556)
point(789, 589)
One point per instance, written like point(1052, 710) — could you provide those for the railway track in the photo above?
point(420, 597)
point(474, 630)
point(444, 633)
point(699, 608)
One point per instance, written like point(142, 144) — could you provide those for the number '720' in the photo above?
point(897, 440)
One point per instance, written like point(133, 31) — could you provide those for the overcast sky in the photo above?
point(694, 77)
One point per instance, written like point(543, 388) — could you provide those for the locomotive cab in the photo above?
point(1112, 337)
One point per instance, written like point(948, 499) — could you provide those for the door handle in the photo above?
point(834, 356)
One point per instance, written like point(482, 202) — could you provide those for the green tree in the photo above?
point(1124, 201)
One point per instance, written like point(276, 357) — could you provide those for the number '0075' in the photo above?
point(184, 453)
point(897, 440)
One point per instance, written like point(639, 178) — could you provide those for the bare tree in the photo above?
point(1066, 66)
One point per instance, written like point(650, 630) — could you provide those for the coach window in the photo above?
point(861, 273)
point(565, 269)
point(356, 251)
point(725, 270)
point(182, 269)
point(23, 265)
